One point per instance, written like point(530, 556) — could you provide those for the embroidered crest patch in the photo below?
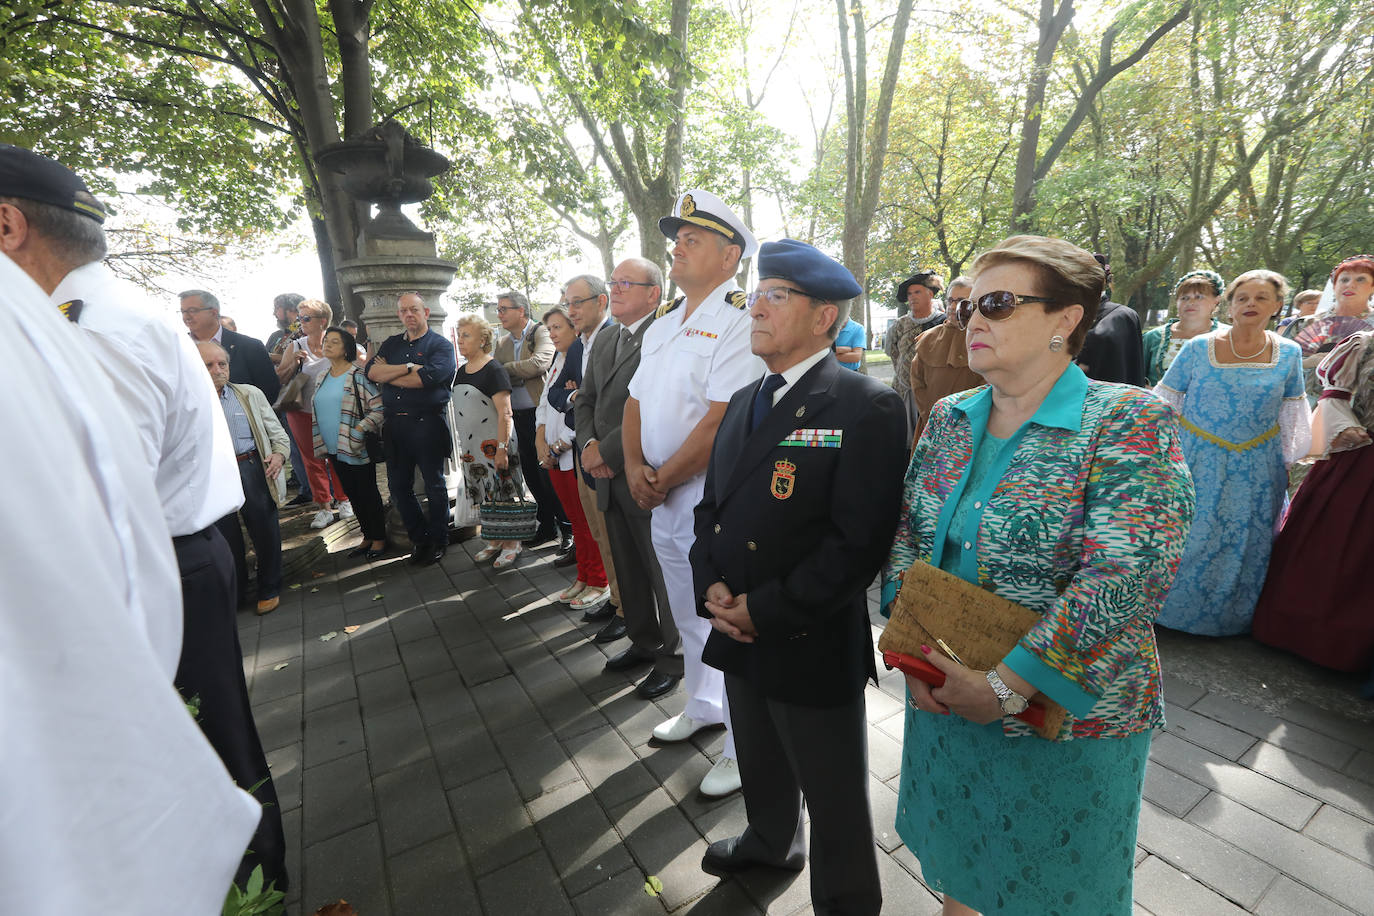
point(784, 477)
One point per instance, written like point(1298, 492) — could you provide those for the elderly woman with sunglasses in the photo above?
point(1239, 397)
point(1071, 498)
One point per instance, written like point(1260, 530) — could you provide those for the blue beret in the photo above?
point(814, 272)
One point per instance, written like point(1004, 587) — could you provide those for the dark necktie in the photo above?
point(763, 401)
point(623, 341)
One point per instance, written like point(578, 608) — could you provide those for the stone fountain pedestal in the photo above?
point(379, 280)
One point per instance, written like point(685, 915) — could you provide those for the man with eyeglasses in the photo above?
point(585, 297)
point(249, 363)
point(693, 358)
point(796, 518)
point(636, 288)
point(526, 351)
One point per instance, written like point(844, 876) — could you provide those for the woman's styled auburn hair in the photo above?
point(1275, 280)
point(1360, 263)
point(485, 335)
point(1066, 273)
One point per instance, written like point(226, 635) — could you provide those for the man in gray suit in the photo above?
point(636, 286)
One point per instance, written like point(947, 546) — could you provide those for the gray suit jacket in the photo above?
point(599, 408)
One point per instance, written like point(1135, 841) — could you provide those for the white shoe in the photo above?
point(507, 558)
point(679, 728)
point(323, 519)
point(345, 509)
point(590, 599)
point(486, 553)
point(723, 779)
point(572, 591)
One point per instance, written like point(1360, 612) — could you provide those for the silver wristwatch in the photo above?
point(1012, 703)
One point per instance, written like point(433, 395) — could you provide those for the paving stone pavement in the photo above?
point(455, 747)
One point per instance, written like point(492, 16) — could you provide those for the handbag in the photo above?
point(292, 395)
point(981, 626)
point(509, 519)
point(372, 442)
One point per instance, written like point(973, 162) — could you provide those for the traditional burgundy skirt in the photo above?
point(1318, 599)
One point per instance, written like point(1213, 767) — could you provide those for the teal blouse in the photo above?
point(1081, 515)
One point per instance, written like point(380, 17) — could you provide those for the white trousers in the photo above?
point(672, 525)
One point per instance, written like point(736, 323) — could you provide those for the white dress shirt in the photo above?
point(160, 378)
point(791, 376)
point(109, 778)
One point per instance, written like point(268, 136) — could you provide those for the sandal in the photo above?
point(572, 591)
point(486, 553)
point(507, 558)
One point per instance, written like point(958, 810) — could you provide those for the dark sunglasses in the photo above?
point(995, 306)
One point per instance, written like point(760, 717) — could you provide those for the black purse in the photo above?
point(376, 453)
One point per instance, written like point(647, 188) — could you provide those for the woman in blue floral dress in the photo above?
point(1239, 396)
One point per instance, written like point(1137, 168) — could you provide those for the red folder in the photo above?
point(923, 670)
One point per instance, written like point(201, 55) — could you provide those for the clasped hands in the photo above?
point(593, 463)
point(643, 482)
point(965, 692)
point(730, 613)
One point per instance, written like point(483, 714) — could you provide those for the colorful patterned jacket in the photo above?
point(1084, 522)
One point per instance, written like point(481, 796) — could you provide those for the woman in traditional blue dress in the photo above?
point(1239, 396)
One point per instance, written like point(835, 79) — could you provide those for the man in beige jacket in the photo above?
point(526, 352)
point(261, 446)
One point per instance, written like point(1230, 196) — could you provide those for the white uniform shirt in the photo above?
point(110, 778)
point(684, 365)
point(160, 379)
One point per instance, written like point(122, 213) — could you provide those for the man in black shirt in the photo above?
point(415, 370)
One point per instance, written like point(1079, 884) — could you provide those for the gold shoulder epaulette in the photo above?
point(667, 307)
point(738, 299)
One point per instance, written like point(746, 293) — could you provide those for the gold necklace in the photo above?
point(1234, 352)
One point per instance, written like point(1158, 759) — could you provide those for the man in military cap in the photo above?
point(916, 314)
point(694, 356)
point(51, 227)
point(797, 514)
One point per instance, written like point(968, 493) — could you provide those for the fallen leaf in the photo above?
point(352, 629)
point(336, 909)
point(281, 666)
point(377, 597)
point(653, 887)
point(317, 575)
point(296, 585)
point(314, 589)
point(328, 636)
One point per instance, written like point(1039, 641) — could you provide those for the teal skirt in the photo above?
point(1021, 825)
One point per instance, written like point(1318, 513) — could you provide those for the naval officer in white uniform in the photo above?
point(694, 357)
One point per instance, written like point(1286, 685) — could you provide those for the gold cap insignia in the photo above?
point(689, 206)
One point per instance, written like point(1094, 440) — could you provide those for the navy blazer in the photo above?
point(249, 363)
point(572, 372)
point(798, 516)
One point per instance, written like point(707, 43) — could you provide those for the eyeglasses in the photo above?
point(778, 295)
point(574, 302)
point(1193, 297)
point(307, 318)
point(624, 285)
point(185, 313)
point(995, 306)
point(508, 308)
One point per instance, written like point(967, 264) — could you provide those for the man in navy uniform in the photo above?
point(800, 505)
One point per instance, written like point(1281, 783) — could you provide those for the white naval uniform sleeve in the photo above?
point(114, 779)
point(734, 364)
point(160, 378)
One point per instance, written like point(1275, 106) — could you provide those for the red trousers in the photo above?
point(589, 568)
point(315, 470)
